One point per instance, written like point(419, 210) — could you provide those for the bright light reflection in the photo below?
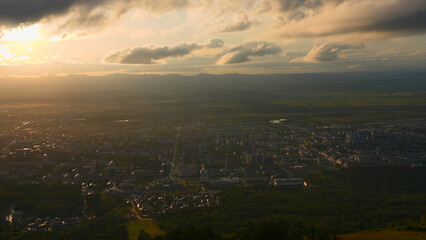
point(20, 58)
point(22, 34)
point(5, 53)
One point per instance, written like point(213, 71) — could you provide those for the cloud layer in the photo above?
point(311, 31)
point(87, 12)
point(319, 18)
point(326, 52)
point(245, 52)
point(243, 23)
point(294, 18)
point(152, 55)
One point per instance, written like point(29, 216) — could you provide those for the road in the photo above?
point(173, 163)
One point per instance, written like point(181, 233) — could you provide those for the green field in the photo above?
point(385, 235)
point(360, 99)
point(148, 225)
point(352, 199)
point(322, 108)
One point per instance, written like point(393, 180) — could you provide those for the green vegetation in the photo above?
point(385, 235)
point(110, 223)
point(147, 226)
point(143, 236)
point(190, 233)
point(279, 230)
point(353, 99)
point(109, 227)
point(323, 108)
point(257, 105)
point(42, 200)
point(337, 202)
point(349, 200)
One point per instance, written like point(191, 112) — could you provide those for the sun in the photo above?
point(17, 43)
point(22, 34)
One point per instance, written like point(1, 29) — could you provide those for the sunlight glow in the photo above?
point(22, 34)
point(5, 53)
point(20, 58)
point(55, 39)
point(63, 37)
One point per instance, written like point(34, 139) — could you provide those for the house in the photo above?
point(290, 182)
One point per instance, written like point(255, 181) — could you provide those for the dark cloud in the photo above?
point(16, 12)
point(291, 6)
point(161, 6)
point(326, 52)
point(413, 21)
point(151, 55)
point(245, 52)
point(215, 43)
point(319, 18)
point(146, 55)
point(243, 24)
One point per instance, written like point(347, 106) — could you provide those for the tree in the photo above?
point(144, 236)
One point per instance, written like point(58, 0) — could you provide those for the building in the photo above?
point(111, 169)
point(204, 175)
point(290, 182)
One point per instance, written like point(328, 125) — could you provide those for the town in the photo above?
point(158, 168)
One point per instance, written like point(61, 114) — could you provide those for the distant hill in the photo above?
point(119, 85)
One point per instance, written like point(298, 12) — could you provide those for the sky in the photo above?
point(99, 37)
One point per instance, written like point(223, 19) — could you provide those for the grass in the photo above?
point(353, 99)
point(324, 108)
point(385, 235)
point(219, 105)
point(148, 225)
point(243, 116)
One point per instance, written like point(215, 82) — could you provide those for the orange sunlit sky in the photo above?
point(97, 37)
